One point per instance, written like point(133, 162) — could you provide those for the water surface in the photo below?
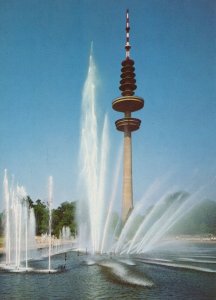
point(180, 271)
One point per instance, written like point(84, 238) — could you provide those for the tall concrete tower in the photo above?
point(127, 104)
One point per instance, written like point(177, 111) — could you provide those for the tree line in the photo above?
point(200, 220)
point(63, 215)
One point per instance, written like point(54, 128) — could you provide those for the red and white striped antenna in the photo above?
point(127, 45)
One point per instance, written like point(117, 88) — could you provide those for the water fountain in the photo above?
point(133, 244)
point(20, 230)
point(96, 207)
point(94, 218)
point(50, 200)
point(93, 165)
point(19, 227)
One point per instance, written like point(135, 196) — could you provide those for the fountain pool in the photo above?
point(173, 271)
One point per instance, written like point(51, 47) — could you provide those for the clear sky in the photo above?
point(44, 51)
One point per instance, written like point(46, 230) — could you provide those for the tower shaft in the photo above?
point(127, 200)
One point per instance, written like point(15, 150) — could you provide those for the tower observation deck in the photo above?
point(127, 104)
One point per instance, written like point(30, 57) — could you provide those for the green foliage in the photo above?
point(1, 224)
point(29, 201)
point(1, 241)
point(200, 220)
point(64, 215)
point(167, 205)
point(41, 216)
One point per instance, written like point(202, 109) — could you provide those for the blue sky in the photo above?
point(44, 51)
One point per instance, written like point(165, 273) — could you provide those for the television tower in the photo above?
point(127, 104)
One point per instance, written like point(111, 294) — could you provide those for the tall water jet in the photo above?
point(50, 200)
point(7, 219)
point(65, 233)
point(105, 245)
point(93, 160)
point(19, 226)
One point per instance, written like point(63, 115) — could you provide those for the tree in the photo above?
point(41, 216)
point(29, 201)
point(64, 215)
point(1, 224)
point(200, 220)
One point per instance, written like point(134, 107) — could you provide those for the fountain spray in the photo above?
point(19, 225)
point(93, 160)
point(7, 231)
point(50, 199)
